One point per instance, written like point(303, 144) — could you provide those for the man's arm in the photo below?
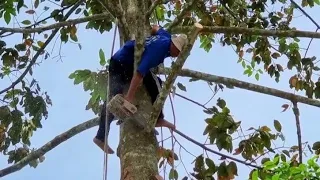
point(149, 60)
point(158, 30)
point(135, 83)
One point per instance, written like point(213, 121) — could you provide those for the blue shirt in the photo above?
point(156, 49)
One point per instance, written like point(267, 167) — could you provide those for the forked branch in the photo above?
point(176, 67)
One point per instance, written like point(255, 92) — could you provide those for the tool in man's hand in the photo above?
point(124, 110)
point(120, 107)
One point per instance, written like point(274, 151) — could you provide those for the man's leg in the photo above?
point(150, 81)
point(100, 137)
point(115, 87)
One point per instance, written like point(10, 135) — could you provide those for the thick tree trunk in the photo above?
point(137, 149)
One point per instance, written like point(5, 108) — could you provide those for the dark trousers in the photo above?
point(120, 76)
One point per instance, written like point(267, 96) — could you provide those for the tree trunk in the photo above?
point(137, 149)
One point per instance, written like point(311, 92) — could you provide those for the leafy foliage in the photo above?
point(279, 169)
point(24, 105)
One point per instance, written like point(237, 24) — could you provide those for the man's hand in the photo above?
point(135, 83)
point(154, 29)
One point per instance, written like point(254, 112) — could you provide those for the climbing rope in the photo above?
point(105, 164)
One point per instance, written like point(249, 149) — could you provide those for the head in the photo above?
point(176, 45)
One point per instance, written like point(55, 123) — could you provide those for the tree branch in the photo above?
point(250, 31)
point(115, 8)
point(152, 7)
point(305, 13)
point(35, 57)
point(179, 17)
point(176, 67)
point(174, 30)
point(215, 152)
point(49, 146)
point(56, 25)
point(297, 114)
point(244, 85)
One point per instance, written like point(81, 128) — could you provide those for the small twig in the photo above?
point(162, 140)
point(305, 54)
point(195, 102)
point(266, 152)
point(297, 114)
point(306, 14)
point(183, 163)
point(184, 148)
point(214, 94)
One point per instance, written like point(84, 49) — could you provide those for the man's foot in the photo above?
point(100, 144)
point(165, 123)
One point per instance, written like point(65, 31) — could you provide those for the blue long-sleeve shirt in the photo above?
point(157, 48)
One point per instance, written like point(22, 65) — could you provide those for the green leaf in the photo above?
point(232, 168)
point(21, 47)
point(277, 125)
point(74, 37)
point(78, 11)
point(317, 2)
point(8, 60)
point(254, 175)
point(102, 58)
point(2, 44)
point(210, 163)
point(286, 152)
point(80, 75)
point(181, 86)
point(221, 103)
point(7, 17)
point(173, 175)
point(36, 4)
point(276, 177)
point(20, 4)
point(257, 76)
point(316, 145)
point(222, 170)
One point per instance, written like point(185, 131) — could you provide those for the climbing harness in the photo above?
point(105, 166)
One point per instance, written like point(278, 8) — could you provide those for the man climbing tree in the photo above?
point(158, 46)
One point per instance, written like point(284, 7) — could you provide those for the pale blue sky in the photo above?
point(80, 159)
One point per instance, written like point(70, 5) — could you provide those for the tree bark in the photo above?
point(137, 149)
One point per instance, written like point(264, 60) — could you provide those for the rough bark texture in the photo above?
point(137, 149)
